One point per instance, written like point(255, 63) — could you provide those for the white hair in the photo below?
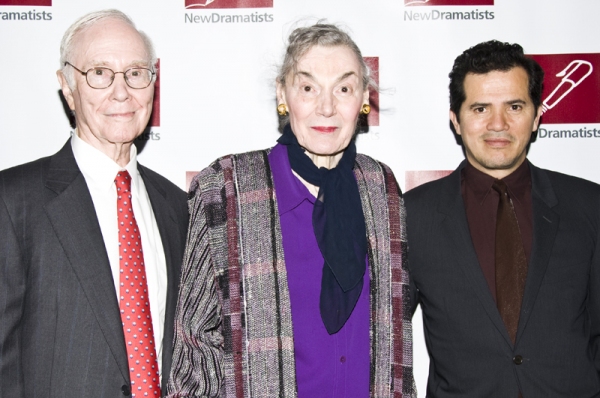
point(88, 20)
point(302, 39)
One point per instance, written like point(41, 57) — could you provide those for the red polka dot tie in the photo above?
point(133, 298)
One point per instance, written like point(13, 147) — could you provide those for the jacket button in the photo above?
point(126, 390)
point(518, 359)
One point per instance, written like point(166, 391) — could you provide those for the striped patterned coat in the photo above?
point(233, 329)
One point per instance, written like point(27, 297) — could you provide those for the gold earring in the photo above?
point(366, 109)
point(282, 109)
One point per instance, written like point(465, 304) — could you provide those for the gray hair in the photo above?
point(301, 40)
point(88, 20)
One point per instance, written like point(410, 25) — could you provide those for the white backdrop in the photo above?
point(217, 92)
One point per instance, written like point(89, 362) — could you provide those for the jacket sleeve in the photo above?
point(12, 294)
point(411, 231)
point(196, 370)
point(594, 298)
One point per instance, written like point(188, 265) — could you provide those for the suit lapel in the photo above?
point(166, 219)
point(73, 217)
point(455, 227)
point(545, 227)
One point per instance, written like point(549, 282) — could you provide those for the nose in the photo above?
point(120, 88)
point(497, 121)
point(326, 105)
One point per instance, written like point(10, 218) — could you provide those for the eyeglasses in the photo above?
point(100, 77)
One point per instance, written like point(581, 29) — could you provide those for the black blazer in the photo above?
point(60, 328)
point(557, 346)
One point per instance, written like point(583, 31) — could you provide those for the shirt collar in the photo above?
point(97, 168)
point(290, 191)
point(481, 184)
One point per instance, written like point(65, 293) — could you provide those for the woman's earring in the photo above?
point(282, 109)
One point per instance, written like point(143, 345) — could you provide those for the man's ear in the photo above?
point(66, 90)
point(536, 121)
point(455, 123)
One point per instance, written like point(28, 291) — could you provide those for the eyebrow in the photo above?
point(485, 104)
point(133, 64)
point(341, 78)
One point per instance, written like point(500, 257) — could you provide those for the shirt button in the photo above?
point(342, 359)
point(518, 359)
point(126, 390)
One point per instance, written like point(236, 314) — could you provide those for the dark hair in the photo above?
point(493, 56)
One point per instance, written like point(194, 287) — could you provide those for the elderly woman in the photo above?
point(294, 280)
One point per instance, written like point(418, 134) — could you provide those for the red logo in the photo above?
point(205, 4)
point(414, 178)
point(373, 64)
point(571, 88)
point(155, 118)
point(448, 2)
point(26, 3)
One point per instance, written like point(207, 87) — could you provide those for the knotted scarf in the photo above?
point(339, 227)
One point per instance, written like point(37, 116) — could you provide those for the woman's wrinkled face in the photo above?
point(324, 96)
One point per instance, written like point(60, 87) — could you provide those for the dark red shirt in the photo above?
point(481, 206)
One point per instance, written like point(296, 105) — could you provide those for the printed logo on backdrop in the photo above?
point(221, 18)
point(205, 4)
point(373, 117)
point(448, 2)
point(149, 133)
point(571, 94)
point(437, 15)
point(29, 15)
point(189, 176)
point(47, 3)
point(414, 178)
point(155, 118)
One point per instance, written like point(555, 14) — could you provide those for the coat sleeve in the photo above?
point(594, 298)
point(198, 344)
point(411, 232)
point(12, 295)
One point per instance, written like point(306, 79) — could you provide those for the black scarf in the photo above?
point(339, 226)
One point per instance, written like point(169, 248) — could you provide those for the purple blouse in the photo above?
point(326, 365)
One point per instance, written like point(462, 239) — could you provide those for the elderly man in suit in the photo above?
point(504, 256)
point(92, 241)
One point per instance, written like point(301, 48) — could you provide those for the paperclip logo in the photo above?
point(47, 3)
point(571, 88)
point(448, 2)
point(414, 178)
point(373, 117)
point(211, 4)
point(570, 80)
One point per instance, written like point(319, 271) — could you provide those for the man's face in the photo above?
point(117, 114)
point(496, 120)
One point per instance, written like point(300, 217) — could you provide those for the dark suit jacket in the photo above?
point(557, 346)
point(60, 328)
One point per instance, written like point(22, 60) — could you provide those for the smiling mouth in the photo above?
point(324, 129)
point(123, 114)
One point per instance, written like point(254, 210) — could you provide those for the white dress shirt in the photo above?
point(99, 172)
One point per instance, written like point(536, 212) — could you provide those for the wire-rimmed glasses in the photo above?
point(100, 77)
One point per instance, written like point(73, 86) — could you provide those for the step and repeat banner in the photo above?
point(219, 58)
